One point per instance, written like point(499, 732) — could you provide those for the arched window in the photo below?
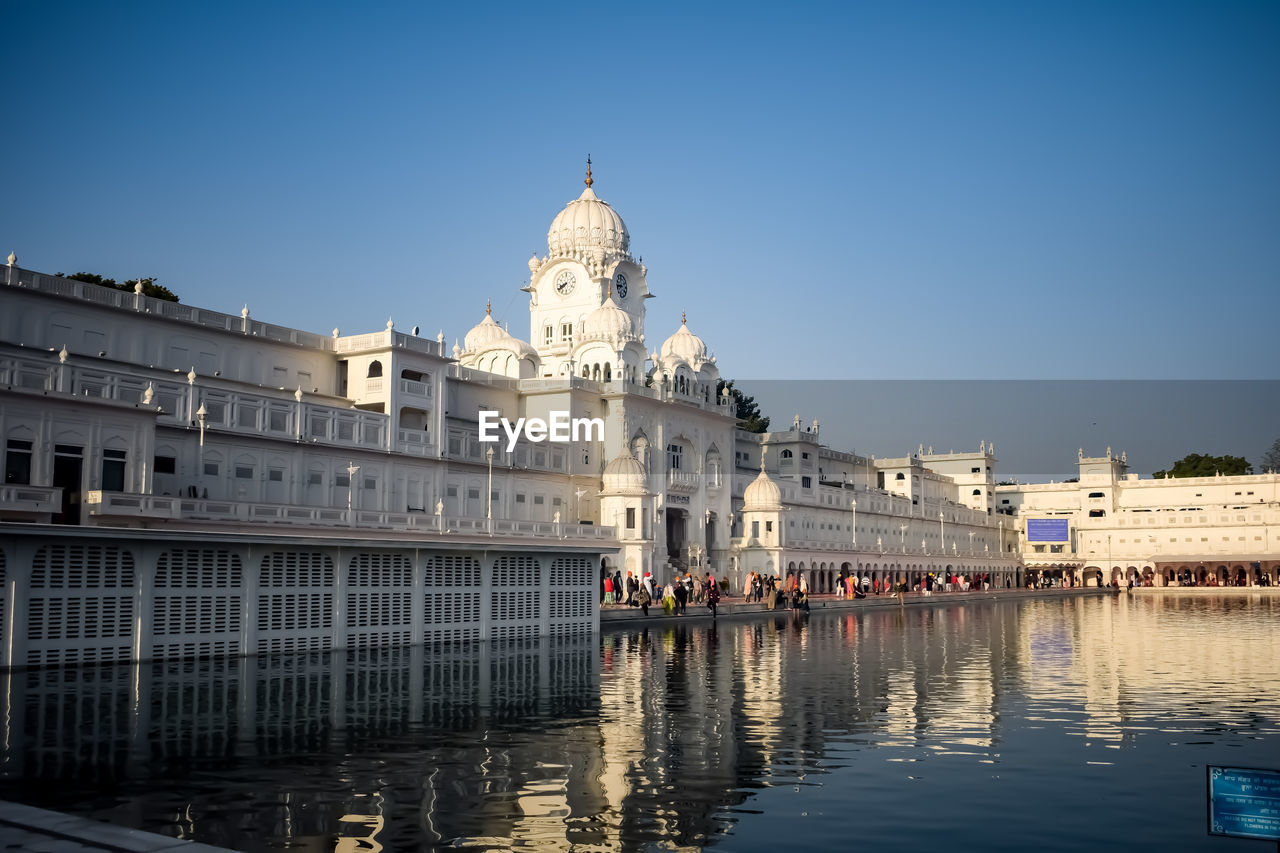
point(900, 476)
point(608, 373)
point(977, 491)
point(787, 454)
point(375, 369)
point(640, 450)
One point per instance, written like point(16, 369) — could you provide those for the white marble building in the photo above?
point(119, 411)
point(1168, 532)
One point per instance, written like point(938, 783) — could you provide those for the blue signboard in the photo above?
point(1047, 530)
point(1244, 803)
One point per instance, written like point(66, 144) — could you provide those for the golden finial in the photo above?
point(488, 308)
point(683, 321)
point(588, 181)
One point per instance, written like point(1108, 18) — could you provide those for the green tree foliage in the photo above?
point(1203, 465)
point(1271, 459)
point(746, 408)
point(149, 286)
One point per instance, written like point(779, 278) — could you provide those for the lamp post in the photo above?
point(942, 533)
point(201, 414)
point(488, 501)
point(853, 505)
point(352, 470)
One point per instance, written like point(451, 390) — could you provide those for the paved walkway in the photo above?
point(614, 614)
point(35, 830)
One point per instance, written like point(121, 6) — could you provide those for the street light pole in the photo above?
point(854, 509)
point(488, 502)
point(352, 470)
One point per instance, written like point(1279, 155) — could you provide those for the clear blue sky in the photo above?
point(862, 190)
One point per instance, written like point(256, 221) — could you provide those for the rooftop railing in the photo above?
point(104, 504)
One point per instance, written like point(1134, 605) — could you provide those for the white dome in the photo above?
point(587, 222)
point(488, 335)
point(483, 333)
point(684, 345)
point(624, 475)
point(608, 322)
point(762, 493)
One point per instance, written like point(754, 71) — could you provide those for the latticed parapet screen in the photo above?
point(79, 606)
point(95, 602)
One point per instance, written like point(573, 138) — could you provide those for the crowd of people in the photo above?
point(674, 598)
point(776, 592)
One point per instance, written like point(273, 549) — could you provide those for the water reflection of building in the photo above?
point(639, 738)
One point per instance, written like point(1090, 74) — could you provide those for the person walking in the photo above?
point(632, 586)
point(643, 598)
point(682, 597)
point(713, 594)
point(608, 589)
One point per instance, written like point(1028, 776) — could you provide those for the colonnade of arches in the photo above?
point(824, 576)
point(604, 372)
point(1230, 573)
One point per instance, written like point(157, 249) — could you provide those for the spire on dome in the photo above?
point(683, 320)
point(488, 308)
point(588, 181)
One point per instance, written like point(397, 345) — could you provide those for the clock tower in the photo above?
point(588, 267)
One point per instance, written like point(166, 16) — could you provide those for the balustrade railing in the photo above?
point(104, 504)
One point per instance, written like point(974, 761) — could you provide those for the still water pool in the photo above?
point(1061, 723)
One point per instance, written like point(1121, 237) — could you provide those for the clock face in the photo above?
point(620, 285)
point(565, 282)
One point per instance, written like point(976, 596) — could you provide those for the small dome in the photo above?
point(608, 322)
point(624, 475)
point(763, 493)
point(684, 345)
point(515, 345)
point(487, 335)
point(587, 222)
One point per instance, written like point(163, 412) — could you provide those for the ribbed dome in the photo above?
point(763, 493)
point(487, 335)
point(624, 475)
point(587, 222)
point(608, 322)
point(685, 345)
point(483, 333)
